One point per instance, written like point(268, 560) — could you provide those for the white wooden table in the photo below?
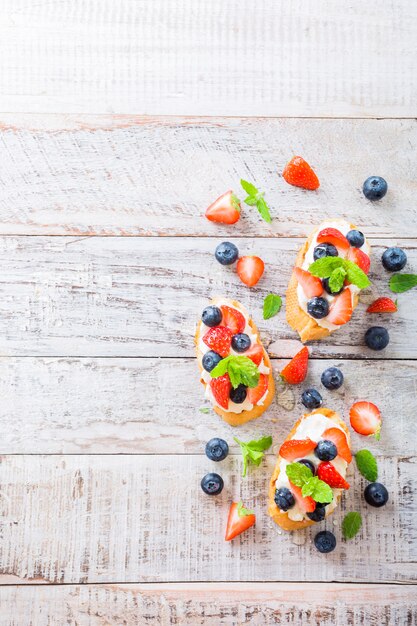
point(120, 121)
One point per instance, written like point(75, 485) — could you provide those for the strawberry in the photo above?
point(365, 418)
point(382, 305)
point(238, 521)
point(312, 285)
point(329, 474)
point(233, 319)
point(254, 394)
point(297, 172)
point(296, 448)
point(334, 236)
point(255, 353)
point(219, 339)
point(296, 370)
point(338, 437)
point(306, 504)
point(360, 258)
point(250, 269)
point(224, 210)
point(341, 308)
point(220, 388)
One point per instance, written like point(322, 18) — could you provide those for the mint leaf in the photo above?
point(251, 200)
point(204, 409)
point(250, 189)
point(298, 473)
point(241, 370)
point(337, 278)
point(351, 524)
point(355, 275)
point(263, 209)
point(242, 512)
point(301, 476)
point(367, 465)
point(256, 198)
point(325, 266)
point(252, 451)
point(402, 282)
point(261, 444)
point(272, 305)
point(321, 491)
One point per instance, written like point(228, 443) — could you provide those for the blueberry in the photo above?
point(318, 307)
point(226, 253)
point(324, 249)
point(377, 338)
point(375, 188)
point(212, 316)
point(284, 498)
point(238, 395)
point(394, 259)
point(318, 514)
point(210, 360)
point(325, 283)
point(308, 464)
point(212, 484)
point(217, 449)
point(325, 541)
point(332, 378)
point(311, 399)
point(241, 342)
point(376, 494)
point(355, 238)
point(325, 450)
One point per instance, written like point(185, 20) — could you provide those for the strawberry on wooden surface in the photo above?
point(298, 172)
point(224, 210)
point(250, 270)
point(296, 370)
point(239, 520)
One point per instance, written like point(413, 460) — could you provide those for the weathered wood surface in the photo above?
point(211, 604)
point(124, 175)
point(102, 518)
point(152, 406)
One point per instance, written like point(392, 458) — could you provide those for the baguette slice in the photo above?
point(280, 517)
point(236, 419)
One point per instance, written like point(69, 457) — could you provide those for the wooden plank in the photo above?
point(199, 58)
point(133, 518)
point(131, 297)
point(123, 175)
point(211, 604)
point(152, 406)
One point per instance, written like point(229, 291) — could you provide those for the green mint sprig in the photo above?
point(256, 198)
point(253, 451)
point(337, 269)
point(367, 465)
point(272, 305)
point(241, 370)
point(312, 486)
point(402, 282)
point(351, 524)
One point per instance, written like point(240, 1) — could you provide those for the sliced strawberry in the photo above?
point(219, 339)
point(224, 210)
point(298, 172)
point(329, 474)
point(221, 388)
point(296, 370)
point(365, 418)
point(296, 448)
point(238, 523)
point(233, 319)
point(360, 258)
point(306, 504)
point(254, 394)
point(250, 269)
point(334, 236)
point(312, 285)
point(255, 353)
point(338, 437)
point(341, 308)
point(382, 305)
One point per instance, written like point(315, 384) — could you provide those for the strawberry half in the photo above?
point(360, 258)
point(306, 504)
point(334, 236)
point(338, 437)
point(341, 308)
point(312, 285)
point(233, 319)
point(296, 448)
point(219, 339)
point(382, 305)
point(296, 370)
point(298, 172)
point(329, 474)
point(250, 269)
point(237, 524)
point(255, 353)
point(224, 210)
point(365, 418)
point(221, 388)
point(254, 394)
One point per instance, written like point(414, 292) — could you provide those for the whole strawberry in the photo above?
point(297, 172)
point(382, 305)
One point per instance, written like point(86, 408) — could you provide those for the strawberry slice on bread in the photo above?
point(294, 449)
point(312, 285)
point(341, 308)
point(333, 236)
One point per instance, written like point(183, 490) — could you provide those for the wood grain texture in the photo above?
point(191, 57)
point(211, 604)
point(123, 175)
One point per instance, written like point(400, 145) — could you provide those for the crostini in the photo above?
point(322, 298)
point(226, 331)
point(316, 455)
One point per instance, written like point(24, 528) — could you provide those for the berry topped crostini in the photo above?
point(235, 368)
point(330, 270)
point(309, 476)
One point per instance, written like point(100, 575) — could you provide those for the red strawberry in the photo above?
point(334, 236)
point(329, 474)
point(341, 308)
point(306, 504)
point(219, 339)
point(312, 285)
point(237, 523)
point(250, 269)
point(338, 437)
point(254, 394)
point(296, 370)
point(365, 418)
point(297, 172)
point(296, 448)
point(224, 210)
point(382, 305)
point(255, 353)
point(220, 388)
point(233, 319)
point(360, 258)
